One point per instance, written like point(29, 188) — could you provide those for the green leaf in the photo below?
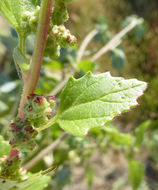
point(95, 100)
point(140, 132)
point(117, 137)
point(3, 106)
point(136, 173)
point(4, 147)
point(38, 183)
point(33, 182)
point(52, 64)
point(86, 65)
point(13, 11)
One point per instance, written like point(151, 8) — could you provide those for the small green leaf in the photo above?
point(52, 64)
point(3, 106)
point(86, 65)
point(140, 132)
point(95, 100)
point(5, 147)
point(136, 173)
point(35, 181)
point(39, 183)
point(117, 137)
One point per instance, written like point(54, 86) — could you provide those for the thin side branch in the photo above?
point(112, 44)
point(45, 151)
point(85, 43)
point(59, 87)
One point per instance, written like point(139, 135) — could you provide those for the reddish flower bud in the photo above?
point(25, 139)
point(9, 162)
point(39, 99)
point(12, 125)
point(51, 100)
point(31, 96)
point(29, 108)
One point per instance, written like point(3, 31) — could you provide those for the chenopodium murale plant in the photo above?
point(37, 110)
point(91, 101)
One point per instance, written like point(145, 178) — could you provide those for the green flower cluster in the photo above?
point(63, 36)
point(10, 168)
point(22, 135)
point(59, 36)
point(38, 109)
point(30, 19)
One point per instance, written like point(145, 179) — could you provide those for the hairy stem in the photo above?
point(32, 77)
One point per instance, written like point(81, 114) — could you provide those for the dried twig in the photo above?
point(85, 43)
point(112, 44)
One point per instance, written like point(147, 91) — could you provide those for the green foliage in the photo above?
point(5, 148)
point(95, 100)
point(22, 135)
point(90, 102)
point(140, 132)
point(34, 182)
point(117, 137)
point(38, 109)
point(10, 168)
point(139, 30)
point(85, 65)
point(60, 14)
point(136, 173)
point(31, 182)
point(17, 11)
point(63, 36)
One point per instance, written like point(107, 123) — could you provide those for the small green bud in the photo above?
point(63, 36)
point(51, 100)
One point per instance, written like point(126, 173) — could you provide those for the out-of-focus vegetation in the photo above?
point(107, 153)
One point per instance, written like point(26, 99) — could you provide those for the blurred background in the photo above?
point(126, 157)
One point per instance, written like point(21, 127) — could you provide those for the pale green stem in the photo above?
point(50, 123)
point(22, 40)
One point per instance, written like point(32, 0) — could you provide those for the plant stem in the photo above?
point(32, 77)
point(45, 151)
point(85, 43)
point(22, 40)
point(50, 122)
